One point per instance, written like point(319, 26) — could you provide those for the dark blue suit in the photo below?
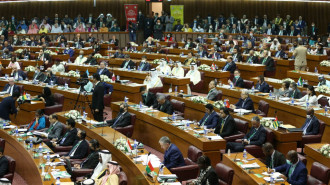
point(298, 176)
point(263, 87)
point(107, 88)
point(105, 71)
point(70, 52)
point(214, 56)
point(279, 54)
point(7, 106)
point(15, 88)
point(146, 66)
point(20, 74)
point(211, 121)
point(245, 104)
point(173, 157)
point(313, 127)
point(229, 67)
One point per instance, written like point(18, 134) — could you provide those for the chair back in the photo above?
point(269, 135)
point(225, 174)
point(2, 143)
point(248, 84)
point(323, 101)
point(194, 153)
point(21, 89)
point(320, 172)
point(122, 178)
point(58, 98)
point(241, 125)
point(178, 105)
point(156, 90)
point(263, 108)
point(11, 168)
point(321, 128)
point(302, 159)
point(167, 96)
point(219, 95)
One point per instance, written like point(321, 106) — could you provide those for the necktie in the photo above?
point(100, 71)
point(50, 128)
point(9, 89)
point(243, 103)
point(281, 32)
point(205, 120)
point(142, 65)
point(252, 134)
point(290, 171)
point(249, 61)
point(82, 164)
point(117, 119)
point(74, 148)
point(64, 137)
point(272, 162)
point(263, 62)
point(277, 54)
point(226, 67)
point(306, 126)
point(223, 123)
point(209, 93)
point(126, 64)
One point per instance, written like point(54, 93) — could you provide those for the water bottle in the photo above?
point(51, 83)
point(270, 93)
point(58, 182)
point(244, 154)
point(48, 156)
point(173, 117)
point(31, 145)
point(272, 180)
point(315, 70)
point(139, 68)
point(176, 89)
point(231, 85)
point(292, 101)
point(69, 61)
point(66, 86)
point(140, 105)
point(161, 170)
point(125, 99)
point(325, 110)
point(6, 76)
point(188, 124)
point(40, 148)
point(170, 89)
point(118, 77)
point(16, 131)
point(252, 89)
point(307, 105)
point(128, 67)
point(84, 115)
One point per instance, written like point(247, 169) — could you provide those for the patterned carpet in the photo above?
point(18, 180)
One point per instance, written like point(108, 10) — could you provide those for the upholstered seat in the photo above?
point(262, 108)
point(128, 130)
point(319, 174)
point(58, 107)
point(225, 174)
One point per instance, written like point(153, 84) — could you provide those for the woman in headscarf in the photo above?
point(152, 80)
point(194, 74)
point(47, 97)
point(178, 70)
point(110, 175)
point(163, 68)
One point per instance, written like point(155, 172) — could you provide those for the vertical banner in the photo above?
point(177, 13)
point(131, 11)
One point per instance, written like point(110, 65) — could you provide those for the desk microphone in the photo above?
point(114, 134)
point(235, 157)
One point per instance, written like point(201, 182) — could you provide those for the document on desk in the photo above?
point(242, 110)
point(60, 174)
point(213, 137)
point(250, 166)
point(155, 161)
point(199, 131)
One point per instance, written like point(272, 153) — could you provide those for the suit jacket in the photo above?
point(237, 57)
point(81, 150)
point(283, 32)
point(173, 157)
point(269, 63)
point(278, 160)
point(279, 54)
point(166, 107)
point(131, 64)
point(210, 177)
point(214, 56)
point(212, 94)
point(146, 66)
point(229, 127)
point(248, 104)
point(230, 67)
point(211, 120)
point(55, 132)
point(300, 54)
point(20, 74)
point(313, 127)
point(298, 176)
point(264, 87)
point(91, 161)
point(107, 88)
point(258, 138)
point(91, 61)
point(7, 106)
point(49, 79)
point(122, 120)
point(97, 97)
point(273, 32)
point(15, 88)
point(238, 82)
point(254, 59)
point(4, 166)
point(296, 94)
point(68, 138)
point(149, 100)
point(115, 42)
point(39, 76)
point(105, 71)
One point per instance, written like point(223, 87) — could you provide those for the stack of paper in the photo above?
point(250, 166)
point(155, 161)
point(60, 174)
point(242, 110)
point(199, 131)
point(213, 137)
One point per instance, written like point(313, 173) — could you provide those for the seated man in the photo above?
point(312, 124)
point(213, 54)
point(256, 136)
point(194, 74)
point(230, 65)
point(68, 138)
point(274, 158)
point(210, 119)
point(279, 53)
point(237, 80)
point(227, 126)
point(50, 78)
point(244, 102)
point(152, 80)
point(4, 164)
point(251, 59)
point(294, 170)
point(213, 93)
point(190, 59)
point(93, 158)
point(119, 54)
point(123, 118)
point(18, 74)
point(7, 106)
point(144, 65)
point(80, 147)
point(294, 92)
point(267, 61)
point(148, 98)
point(261, 85)
point(163, 105)
point(11, 87)
point(39, 122)
point(91, 60)
point(68, 51)
point(237, 57)
point(103, 70)
point(127, 63)
point(80, 60)
point(173, 157)
point(58, 67)
point(177, 70)
point(323, 81)
point(55, 129)
point(38, 75)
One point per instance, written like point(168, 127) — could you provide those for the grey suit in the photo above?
point(212, 95)
point(39, 76)
point(54, 132)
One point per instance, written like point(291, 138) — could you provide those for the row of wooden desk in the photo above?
point(310, 76)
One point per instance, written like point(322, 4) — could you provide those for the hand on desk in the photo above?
point(283, 177)
point(246, 142)
point(76, 166)
point(232, 106)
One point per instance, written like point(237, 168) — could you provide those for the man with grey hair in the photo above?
point(245, 102)
point(127, 63)
point(173, 157)
point(163, 104)
point(256, 136)
point(123, 118)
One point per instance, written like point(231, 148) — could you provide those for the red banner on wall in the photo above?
point(131, 11)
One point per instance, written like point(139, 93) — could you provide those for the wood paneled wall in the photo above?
point(318, 12)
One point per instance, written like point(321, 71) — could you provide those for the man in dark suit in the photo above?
point(213, 54)
point(148, 98)
point(256, 136)
point(274, 158)
point(38, 75)
point(11, 87)
point(251, 59)
point(312, 124)
point(103, 70)
point(90, 38)
point(227, 126)
point(237, 80)
point(123, 118)
point(269, 30)
point(292, 31)
point(237, 57)
point(230, 65)
point(7, 106)
point(244, 102)
point(4, 164)
point(281, 31)
point(97, 98)
point(210, 119)
point(93, 158)
point(80, 147)
point(189, 44)
point(173, 157)
point(279, 53)
point(295, 171)
point(18, 74)
point(268, 62)
point(127, 63)
point(114, 40)
point(213, 93)
point(295, 92)
point(261, 85)
point(55, 129)
point(144, 65)
point(163, 105)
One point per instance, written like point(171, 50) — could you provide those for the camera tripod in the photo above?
point(84, 92)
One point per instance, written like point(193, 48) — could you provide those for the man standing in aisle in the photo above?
point(97, 98)
point(300, 53)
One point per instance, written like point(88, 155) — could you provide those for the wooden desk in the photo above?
point(310, 76)
point(156, 127)
point(282, 66)
point(324, 69)
point(313, 155)
point(134, 172)
point(26, 166)
point(5, 62)
point(244, 177)
point(34, 49)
